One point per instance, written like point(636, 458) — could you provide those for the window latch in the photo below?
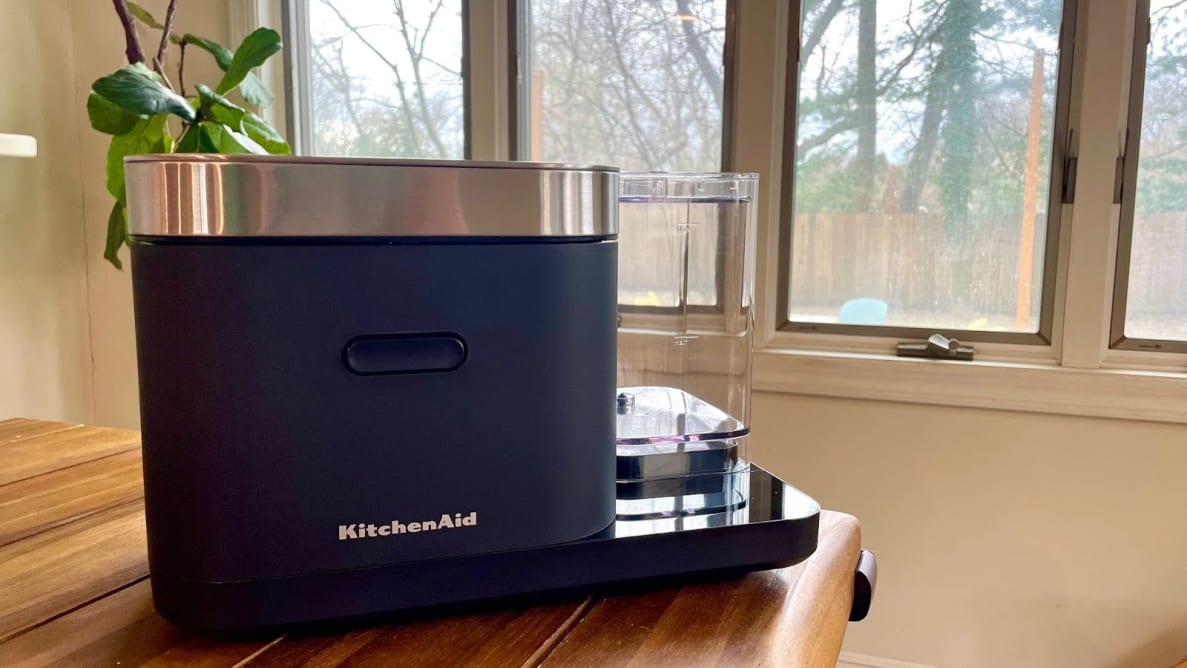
point(938, 347)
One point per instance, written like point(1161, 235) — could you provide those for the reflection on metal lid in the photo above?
point(265, 196)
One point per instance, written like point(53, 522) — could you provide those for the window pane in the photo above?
point(922, 162)
point(1156, 307)
point(638, 85)
point(385, 78)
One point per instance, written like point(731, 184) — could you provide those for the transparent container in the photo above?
point(685, 336)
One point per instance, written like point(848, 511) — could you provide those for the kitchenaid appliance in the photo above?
point(376, 385)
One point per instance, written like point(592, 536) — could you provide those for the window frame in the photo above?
point(1127, 195)
point(298, 73)
point(519, 60)
point(1061, 191)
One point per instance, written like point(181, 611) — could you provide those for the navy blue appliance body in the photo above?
point(265, 453)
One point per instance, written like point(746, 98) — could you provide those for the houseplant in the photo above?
point(145, 112)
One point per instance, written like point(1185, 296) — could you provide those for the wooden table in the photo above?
point(73, 590)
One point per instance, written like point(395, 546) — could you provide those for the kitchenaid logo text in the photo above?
point(447, 521)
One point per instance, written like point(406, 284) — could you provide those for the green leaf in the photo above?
point(147, 136)
point(165, 145)
point(144, 16)
point(190, 139)
point(132, 90)
point(265, 135)
point(107, 117)
point(219, 108)
point(117, 234)
point(252, 89)
point(255, 92)
point(222, 55)
point(229, 141)
point(141, 14)
point(256, 48)
point(141, 68)
point(196, 140)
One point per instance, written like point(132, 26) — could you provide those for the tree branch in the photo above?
point(821, 24)
point(131, 40)
point(181, 66)
point(708, 70)
point(412, 129)
point(340, 80)
point(158, 62)
point(826, 135)
point(415, 55)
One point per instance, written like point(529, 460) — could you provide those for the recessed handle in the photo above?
point(385, 354)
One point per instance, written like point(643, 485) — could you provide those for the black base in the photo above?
point(775, 525)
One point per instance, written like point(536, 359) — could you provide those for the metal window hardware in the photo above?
point(1119, 169)
point(937, 346)
point(1068, 196)
point(1119, 181)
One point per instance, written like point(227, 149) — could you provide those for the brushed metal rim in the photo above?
point(199, 195)
point(215, 158)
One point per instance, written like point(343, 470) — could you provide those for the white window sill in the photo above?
point(1158, 396)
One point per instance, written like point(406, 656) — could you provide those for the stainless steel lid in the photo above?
point(198, 195)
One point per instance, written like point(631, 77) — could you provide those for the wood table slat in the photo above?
point(33, 505)
point(48, 574)
point(198, 652)
point(756, 619)
point(505, 637)
point(119, 629)
point(27, 457)
point(15, 429)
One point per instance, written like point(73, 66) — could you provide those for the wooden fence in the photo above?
point(925, 274)
point(912, 263)
point(1158, 270)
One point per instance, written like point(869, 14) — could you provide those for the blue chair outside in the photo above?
point(862, 311)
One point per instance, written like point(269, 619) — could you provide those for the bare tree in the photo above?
point(417, 115)
point(638, 84)
point(866, 98)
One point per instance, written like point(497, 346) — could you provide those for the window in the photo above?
point(1150, 291)
point(942, 214)
point(640, 85)
point(924, 167)
point(381, 78)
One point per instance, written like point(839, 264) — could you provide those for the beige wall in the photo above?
point(66, 342)
point(44, 339)
point(1003, 539)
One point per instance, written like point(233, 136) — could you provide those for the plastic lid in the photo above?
point(653, 414)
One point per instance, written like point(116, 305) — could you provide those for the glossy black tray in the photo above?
point(760, 522)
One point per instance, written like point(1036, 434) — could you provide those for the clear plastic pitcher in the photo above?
point(685, 331)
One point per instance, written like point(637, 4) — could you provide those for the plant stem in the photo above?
point(159, 60)
point(181, 66)
point(132, 50)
